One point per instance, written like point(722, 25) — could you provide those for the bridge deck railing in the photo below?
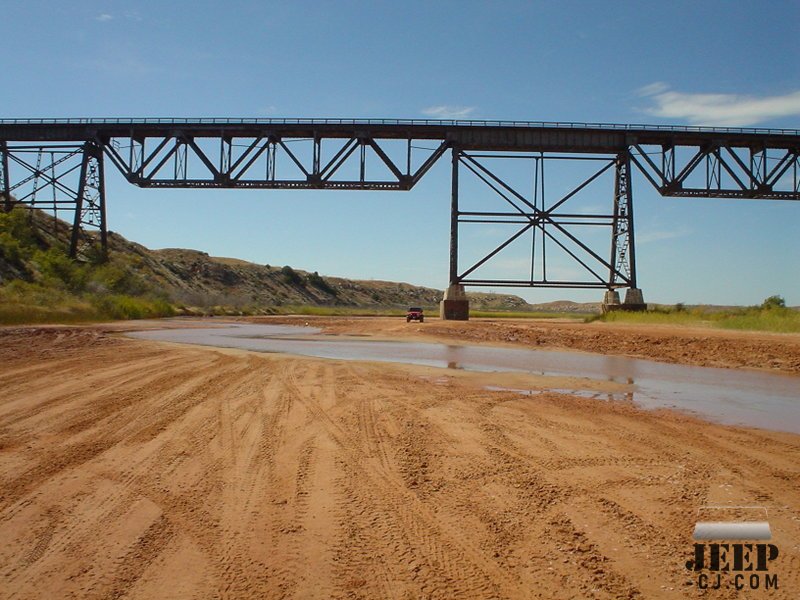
point(398, 122)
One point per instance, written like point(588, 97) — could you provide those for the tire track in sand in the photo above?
point(453, 563)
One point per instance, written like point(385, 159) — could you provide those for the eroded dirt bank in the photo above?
point(705, 347)
point(143, 470)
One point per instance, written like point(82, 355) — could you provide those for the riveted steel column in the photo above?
point(623, 246)
point(626, 160)
point(90, 203)
point(455, 305)
point(5, 181)
point(454, 220)
point(101, 199)
point(76, 223)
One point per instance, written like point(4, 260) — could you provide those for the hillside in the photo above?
point(194, 278)
point(32, 254)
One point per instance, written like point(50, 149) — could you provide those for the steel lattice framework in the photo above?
point(58, 165)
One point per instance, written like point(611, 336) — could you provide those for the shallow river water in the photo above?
point(752, 398)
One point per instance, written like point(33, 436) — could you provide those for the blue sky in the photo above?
point(682, 62)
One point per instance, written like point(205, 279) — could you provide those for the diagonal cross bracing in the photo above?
point(394, 154)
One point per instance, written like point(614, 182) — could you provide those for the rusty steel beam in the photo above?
point(394, 155)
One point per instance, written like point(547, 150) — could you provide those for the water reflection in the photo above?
point(626, 396)
point(453, 355)
point(738, 397)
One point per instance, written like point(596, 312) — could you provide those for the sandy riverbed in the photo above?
point(148, 470)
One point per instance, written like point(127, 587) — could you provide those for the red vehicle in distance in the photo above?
point(415, 314)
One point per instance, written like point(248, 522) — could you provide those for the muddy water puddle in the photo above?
point(751, 398)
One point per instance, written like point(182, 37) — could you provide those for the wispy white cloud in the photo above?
point(448, 111)
point(651, 89)
point(129, 15)
point(726, 110)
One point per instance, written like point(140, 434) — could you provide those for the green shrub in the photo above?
point(26, 302)
point(17, 224)
point(55, 267)
point(319, 282)
point(117, 278)
point(771, 316)
point(11, 250)
point(655, 316)
point(290, 276)
point(773, 302)
point(64, 290)
point(118, 306)
point(17, 241)
point(780, 321)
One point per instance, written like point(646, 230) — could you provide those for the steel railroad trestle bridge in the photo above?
point(59, 165)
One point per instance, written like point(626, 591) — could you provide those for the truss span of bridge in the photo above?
point(59, 165)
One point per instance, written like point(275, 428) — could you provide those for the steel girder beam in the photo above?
point(518, 136)
point(59, 178)
point(267, 161)
point(335, 153)
point(684, 166)
point(551, 224)
point(678, 160)
point(717, 169)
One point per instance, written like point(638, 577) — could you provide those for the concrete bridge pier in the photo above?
point(634, 300)
point(455, 305)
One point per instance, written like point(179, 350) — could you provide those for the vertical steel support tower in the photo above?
point(90, 202)
point(5, 181)
point(623, 246)
point(454, 220)
point(454, 306)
